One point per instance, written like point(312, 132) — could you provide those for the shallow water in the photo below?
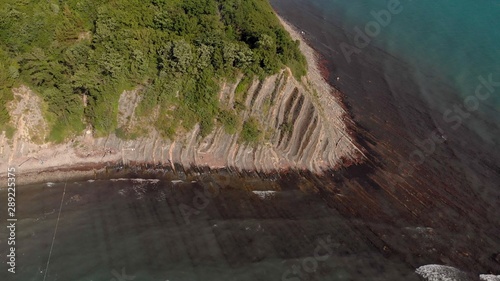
point(445, 45)
point(411, 92)
point(144, 230)
point(423, 63)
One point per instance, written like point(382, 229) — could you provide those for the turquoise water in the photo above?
point(454, 41)
point(447, 44)
point(458, 38)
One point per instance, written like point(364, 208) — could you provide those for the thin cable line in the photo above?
point(55, 231)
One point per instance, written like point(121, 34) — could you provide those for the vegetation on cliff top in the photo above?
point(79, 55)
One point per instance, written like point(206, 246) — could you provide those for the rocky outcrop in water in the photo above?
point(435, 272)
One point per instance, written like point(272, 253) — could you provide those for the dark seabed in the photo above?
point(162, 230)
point(379, 221)
point(398, 89)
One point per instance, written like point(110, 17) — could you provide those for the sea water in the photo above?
point(139, 229)
point(433, 66)
point(162, 230)
point(447, 46)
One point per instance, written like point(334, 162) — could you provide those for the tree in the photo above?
point(179, 50)
point(139, 63)
point(5, 95)
point(251, 131)
point(111, 63)
point(266, 42)
point(204, 57)
point(177, 56)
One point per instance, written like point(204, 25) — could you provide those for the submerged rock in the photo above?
point(489, 277)
point(435, 272)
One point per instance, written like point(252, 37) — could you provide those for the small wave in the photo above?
point(120, 179)
point(421, 232)
point(176, 181)
point(146, 180)
point(265, 194)
point(420, 229)
point(436, 272)
point(49, 184)
point(161, 197)
point(489, 277)
point(137, 180)
point(139, 191)
point(45, 215)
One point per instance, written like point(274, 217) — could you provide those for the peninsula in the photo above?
point(131, 84)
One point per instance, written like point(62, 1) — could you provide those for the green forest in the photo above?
point(177, 50)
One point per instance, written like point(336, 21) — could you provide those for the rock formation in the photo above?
point(316, 136)
point(317, 140)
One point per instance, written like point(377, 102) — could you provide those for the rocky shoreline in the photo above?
point(319, 140)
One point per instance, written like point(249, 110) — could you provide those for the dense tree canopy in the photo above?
point(179, 50)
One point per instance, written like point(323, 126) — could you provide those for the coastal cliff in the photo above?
point(304, 127)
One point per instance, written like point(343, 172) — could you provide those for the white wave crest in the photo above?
point(137, 180)
point(489, 277)
point(265, 194)
point(435, 272)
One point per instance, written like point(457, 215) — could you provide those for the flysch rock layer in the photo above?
point(318, 141)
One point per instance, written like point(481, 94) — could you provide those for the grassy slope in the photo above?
point(180, 50)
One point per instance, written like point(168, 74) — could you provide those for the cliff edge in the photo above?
point(304, 127)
